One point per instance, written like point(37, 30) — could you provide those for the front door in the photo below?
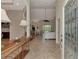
point(71, 30)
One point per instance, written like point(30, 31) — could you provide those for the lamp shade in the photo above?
point(4, 17)
point(23, 23)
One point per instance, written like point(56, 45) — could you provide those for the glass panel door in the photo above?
point(71, 30)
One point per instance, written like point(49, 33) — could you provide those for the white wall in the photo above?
point(15, 29)
point(60, 15)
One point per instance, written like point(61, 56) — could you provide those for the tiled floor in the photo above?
point(43, 50)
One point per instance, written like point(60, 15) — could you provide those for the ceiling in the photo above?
point(13, 4)
point(43, 3)
point(42, 9)
point(37, 7)
point(19, 4)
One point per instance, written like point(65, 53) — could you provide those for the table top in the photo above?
point(11, 45)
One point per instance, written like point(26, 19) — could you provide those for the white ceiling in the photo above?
point(43, 3)
point(19, 4)
point(41, 14)
point(37, 7)
point(13, 5)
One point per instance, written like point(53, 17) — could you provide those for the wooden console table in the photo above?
point(15, 49)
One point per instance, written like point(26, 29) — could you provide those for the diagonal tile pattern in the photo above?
point(43, 50)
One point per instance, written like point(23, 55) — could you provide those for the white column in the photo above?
point(57, 31)
point(28, 18)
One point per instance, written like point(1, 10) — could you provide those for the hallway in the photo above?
point(43, 50)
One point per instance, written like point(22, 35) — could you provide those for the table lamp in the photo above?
point(23, 24)
point(4, 16)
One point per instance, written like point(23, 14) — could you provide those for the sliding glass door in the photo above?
point(71, 30)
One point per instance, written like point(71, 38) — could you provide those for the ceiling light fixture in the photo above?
point(45, 20)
